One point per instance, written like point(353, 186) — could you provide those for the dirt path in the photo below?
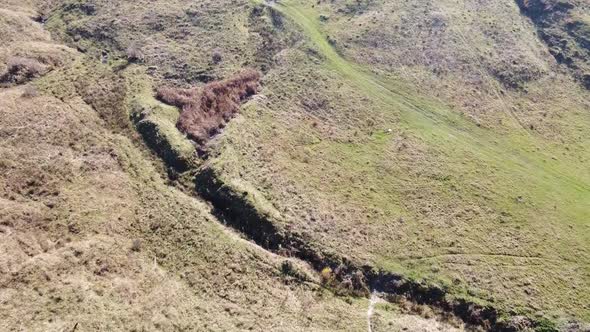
point(373, 300)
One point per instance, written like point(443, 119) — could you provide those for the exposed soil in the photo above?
point(370, 311)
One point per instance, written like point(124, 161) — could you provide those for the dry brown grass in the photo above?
point(134, 53)
point(73, 195)
point(21, 70)
point(30, 91)
point(205, 111)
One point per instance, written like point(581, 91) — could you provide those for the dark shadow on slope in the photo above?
point(235, 210)
point(568, 38)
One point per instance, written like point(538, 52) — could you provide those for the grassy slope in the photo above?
point(494, 213)
point(93, 237)
point(500, 211)
point(437, 125)
point(72, 263)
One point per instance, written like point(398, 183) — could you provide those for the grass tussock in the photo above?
point(134, 53)
point(20, 70)
point(205, 111)
point(30, 91)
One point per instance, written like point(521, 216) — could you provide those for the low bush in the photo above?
point(134, 53)
point(21, 70)
point(216, 57)
point(30, 91)
point(207, 110)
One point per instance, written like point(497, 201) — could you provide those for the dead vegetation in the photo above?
point(206, 111)
point(21, 70)
point(30, 91)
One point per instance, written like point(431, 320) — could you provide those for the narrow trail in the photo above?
point(373, 300)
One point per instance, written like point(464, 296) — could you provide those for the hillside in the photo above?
point(295, 165)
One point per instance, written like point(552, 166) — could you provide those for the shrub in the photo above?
point(30, 91)
point(287, 267)
point(134, 53)
point(545, 325)
point(21, 70)
point(327, 276)
point(206, 111)
point(136, 245)
point(216, 57)
point(176, 97)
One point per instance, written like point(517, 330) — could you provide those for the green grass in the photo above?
point(487, 207)
point(439, 126)
point(560, 182)
point(484, 214)
point(495, 212)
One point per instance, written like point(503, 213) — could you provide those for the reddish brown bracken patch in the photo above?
point(205, 111)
